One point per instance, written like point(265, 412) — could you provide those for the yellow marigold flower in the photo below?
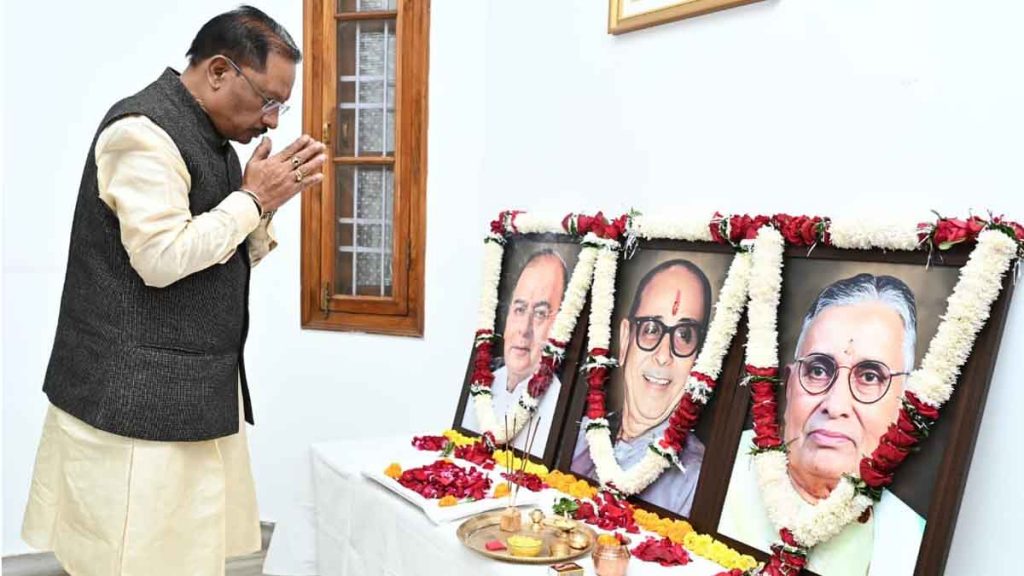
point(393, 471)
point(447, 501)
point(716, 551)
point(506, 459)
point(677, 533)
point(502, 490)
point(458, 438)
point(584, 490)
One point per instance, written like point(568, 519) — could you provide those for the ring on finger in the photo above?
point(296, 162)
point(299, 175)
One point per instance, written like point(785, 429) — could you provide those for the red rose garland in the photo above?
point(797, 230)
point(764, 407)
point(682, 420)
point(550, 360)
point(482, 374)
point(788, 558)
point(596, 378)
point(915, 421)
point(581, 225)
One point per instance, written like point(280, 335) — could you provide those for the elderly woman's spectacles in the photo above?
point(869, 380)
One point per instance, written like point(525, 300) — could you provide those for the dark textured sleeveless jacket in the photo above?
point(153, 363)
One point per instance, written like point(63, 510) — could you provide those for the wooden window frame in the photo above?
point(403, 312)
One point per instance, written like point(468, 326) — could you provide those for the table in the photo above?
point(364, 529)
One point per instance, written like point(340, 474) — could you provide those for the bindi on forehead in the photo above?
point(849, 348)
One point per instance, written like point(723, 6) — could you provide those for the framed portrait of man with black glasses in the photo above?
point(665, 295)
point(850, 334)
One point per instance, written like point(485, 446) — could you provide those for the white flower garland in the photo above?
point(968, 309)
point(599, 334)
point(575, 293)
point(493, 253)
point(731, 302)
point(966, 313)
point(531, 223)
point(732, 299)
point(565, 321)
point(669, 228)
point(854, 234)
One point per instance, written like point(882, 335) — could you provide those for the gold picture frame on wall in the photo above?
point(629, 15)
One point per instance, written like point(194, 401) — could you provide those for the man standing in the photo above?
point(536, 299)
point(143, 465)
point(658, 344)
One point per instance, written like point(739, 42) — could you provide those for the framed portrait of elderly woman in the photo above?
point(525, 300)
point(629, 15)
point(666, 296)
point(842, 443)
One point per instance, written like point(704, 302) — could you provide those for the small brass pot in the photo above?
point(511, 520)
point(610, 559)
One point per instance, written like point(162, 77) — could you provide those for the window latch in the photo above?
point(325, 298)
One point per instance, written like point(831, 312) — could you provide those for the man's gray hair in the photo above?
point(861, 288)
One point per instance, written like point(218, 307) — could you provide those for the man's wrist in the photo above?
point(256, 200)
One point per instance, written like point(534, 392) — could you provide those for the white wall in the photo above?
point(807, 106)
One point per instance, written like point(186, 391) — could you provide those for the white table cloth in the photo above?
point(364, 529)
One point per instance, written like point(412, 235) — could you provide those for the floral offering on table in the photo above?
point(443, 478)
point(663, 551)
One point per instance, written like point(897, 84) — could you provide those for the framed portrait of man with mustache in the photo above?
point(665, 295)
point(535, 272)
point(852, 328)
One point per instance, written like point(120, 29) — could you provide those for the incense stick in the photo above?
point(508, 459)
point(529, 447)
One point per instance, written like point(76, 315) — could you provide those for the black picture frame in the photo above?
point(708, 430)
point(518, 249)
point(945, 455)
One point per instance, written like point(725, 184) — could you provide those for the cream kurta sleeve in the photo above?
point(143, 179)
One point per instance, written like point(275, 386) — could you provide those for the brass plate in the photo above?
point(476, 531)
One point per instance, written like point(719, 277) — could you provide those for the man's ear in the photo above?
point(217, 69)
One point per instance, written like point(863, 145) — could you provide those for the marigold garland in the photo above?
point(571, 485)
point(458, 438)
point(508, 459)
point(718, 552)
point(675, 530)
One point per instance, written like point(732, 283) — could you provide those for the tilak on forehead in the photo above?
point(675, 305)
